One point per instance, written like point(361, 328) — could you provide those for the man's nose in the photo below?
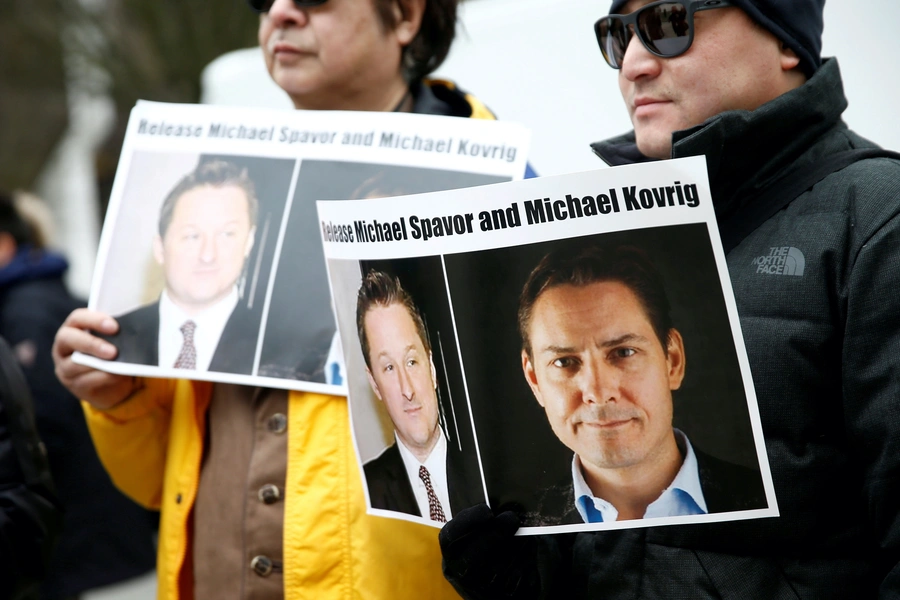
point(598, 382)
point(208, 249)
point(285, 12)
point(406, 387)
point(639, 62)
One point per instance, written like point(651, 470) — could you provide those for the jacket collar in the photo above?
point(443, 97)
point(746, 150)
point(425, 102)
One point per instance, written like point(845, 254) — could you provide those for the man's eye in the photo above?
point(388, 368)
point(412, 362)
point(565, 362)
point(623, 352)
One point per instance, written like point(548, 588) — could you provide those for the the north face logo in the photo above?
point(783, 260)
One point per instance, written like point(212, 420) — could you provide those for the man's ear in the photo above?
point(373, 384)
point(531, 377)
point(789, 58)
point(408, 19)
point(158, 253)
point(675, 359)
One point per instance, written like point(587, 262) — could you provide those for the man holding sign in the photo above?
point(809, 216)
point(258, 488)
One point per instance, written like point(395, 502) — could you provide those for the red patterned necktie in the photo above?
point(187, 358)
point(434, 505)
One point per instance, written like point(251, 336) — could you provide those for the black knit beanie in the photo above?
point(797, 23)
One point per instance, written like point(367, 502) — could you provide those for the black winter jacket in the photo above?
point(815, 287)
point(29, 512)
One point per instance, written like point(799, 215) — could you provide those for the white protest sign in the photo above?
point(542, 344)
point(210, 257)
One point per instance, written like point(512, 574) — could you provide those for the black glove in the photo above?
point(484, 559)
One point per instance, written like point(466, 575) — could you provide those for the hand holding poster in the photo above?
point(210, 257)
point(570, 347)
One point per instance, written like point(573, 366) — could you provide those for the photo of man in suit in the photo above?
point(206, 230)
point(416, 474)
point(602, 357)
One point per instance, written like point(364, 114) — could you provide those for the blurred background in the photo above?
point(70, 71)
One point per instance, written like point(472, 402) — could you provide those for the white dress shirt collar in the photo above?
point(436, 463)
point(210, 324)
point(684, 496)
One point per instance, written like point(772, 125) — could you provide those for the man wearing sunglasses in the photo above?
point(811, 229)
point(259, 488)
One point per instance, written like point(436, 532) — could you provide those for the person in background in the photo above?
point(259, 488)
point(106, 538)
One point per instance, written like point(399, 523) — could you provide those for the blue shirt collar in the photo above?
point(684, 496)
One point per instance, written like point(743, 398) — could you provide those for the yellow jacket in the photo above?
point(152, 445)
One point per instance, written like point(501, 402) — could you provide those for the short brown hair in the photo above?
point(583, 264)
point(432, 42)
point(216, 173)
point(380, 289)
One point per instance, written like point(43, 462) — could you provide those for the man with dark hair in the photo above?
point(345, 54)
point(602, 358)
point(214, 173)
point(207, 225)
point(808, 213)
point(416, 474)
point(581, 265)
point(258, 487)
point(381, 290)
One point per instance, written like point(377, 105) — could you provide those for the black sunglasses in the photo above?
point(665, 28)
point(263, 6)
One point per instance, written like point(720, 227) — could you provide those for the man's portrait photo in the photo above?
point(411, 474)
point(602, 356)
point(206, 315)
point(410, 419)
point(604, 379)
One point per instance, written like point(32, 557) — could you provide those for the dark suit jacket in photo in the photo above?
point(726, 487)
point(390, 489)
point(138, 339)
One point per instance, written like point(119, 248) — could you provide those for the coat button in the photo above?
point(277, 423)
point(261, 565)
point(269, 494)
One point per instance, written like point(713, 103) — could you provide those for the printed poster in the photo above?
point(568, 347)
point(210, 257)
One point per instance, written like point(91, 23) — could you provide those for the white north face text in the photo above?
point(781, 260)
